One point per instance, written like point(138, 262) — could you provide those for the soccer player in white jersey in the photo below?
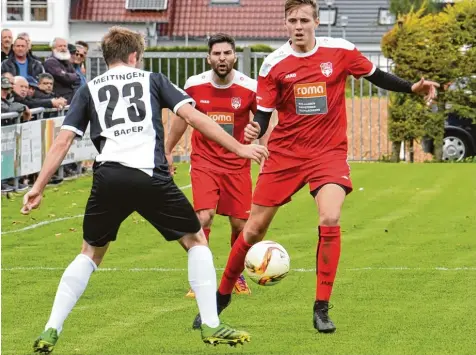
point(123, 107)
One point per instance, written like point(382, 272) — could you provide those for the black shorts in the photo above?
point(118, 191)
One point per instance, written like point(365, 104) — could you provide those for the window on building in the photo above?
point(385, 17)
point(39, 10)
point(15, 10)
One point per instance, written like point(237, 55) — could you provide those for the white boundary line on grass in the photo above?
point(159, 269)
point(44, 223)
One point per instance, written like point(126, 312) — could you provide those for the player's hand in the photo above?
point(252, 131)
point(31, 200)
point(254, 152)
point(426, 88)
point(170, 162)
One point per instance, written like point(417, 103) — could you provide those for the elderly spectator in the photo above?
point(58, 65)
point(27, 38)
point(20, 94)
point(9, 106)
point(7, 39)
point(20, 63)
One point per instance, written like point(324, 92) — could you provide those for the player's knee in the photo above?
point(254, 232)
point(237, 225)
point(329, 218)
point(191, 240)
point(206, 217)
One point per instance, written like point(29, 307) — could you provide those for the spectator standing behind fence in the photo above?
point(8, 104)
point(7, 39)
point(78, 55)
point(20, 63)
point(58, 65)
point(45, 87)
point(86, 49)
point(27, 38)
point(20, 94)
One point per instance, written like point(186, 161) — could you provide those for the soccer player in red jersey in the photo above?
point(304, 80)
point(221, 180)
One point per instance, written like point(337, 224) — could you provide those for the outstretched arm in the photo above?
point(394, 83)
point(213, 131)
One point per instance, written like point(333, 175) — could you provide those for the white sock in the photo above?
point(203, 280)
point(72, 285)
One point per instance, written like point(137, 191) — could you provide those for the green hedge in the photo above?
point(430, 46)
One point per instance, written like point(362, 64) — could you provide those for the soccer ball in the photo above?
point(267, 263)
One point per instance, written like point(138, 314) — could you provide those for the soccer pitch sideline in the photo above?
point(406, 282)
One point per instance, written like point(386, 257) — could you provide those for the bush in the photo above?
point(430, 46)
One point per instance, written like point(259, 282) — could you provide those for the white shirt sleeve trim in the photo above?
point(183, 102)
point(265, 109)
point(374, 68)
point(74, 129)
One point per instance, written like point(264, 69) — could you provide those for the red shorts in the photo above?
point(228, 194)
point(276, 187)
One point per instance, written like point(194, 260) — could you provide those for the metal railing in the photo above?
point(37, 114)
point(367, 105)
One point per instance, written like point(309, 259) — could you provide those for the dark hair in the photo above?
point(292, 4)
point(220, 38)
point(119, 43)
point(45, 76)
point(82, 43)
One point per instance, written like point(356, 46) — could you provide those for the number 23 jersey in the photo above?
point(124, 107)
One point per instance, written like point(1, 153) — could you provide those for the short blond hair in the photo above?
point(292, 4)
point(119, 43)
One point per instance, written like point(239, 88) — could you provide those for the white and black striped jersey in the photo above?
point(124, 107)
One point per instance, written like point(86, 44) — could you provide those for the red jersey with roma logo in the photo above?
point(308, 91)
point(230, 107)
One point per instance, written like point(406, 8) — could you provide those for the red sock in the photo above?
point(233, 238)
point(234, 266)
point(207, 233)
point(327, 259)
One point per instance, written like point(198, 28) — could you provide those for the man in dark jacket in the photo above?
point(58, 65)
point(45, 87)
point(20, 94)
point(20, 63)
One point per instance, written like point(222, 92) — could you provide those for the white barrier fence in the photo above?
point(24, 146)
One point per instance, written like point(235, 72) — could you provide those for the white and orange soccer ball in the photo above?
point(267, 263)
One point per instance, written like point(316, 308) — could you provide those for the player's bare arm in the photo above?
point(213, 131)
point(53, 160)
point(394, 83)
point(177, 129)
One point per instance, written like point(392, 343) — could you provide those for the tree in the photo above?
point(431, 45)
point(402, 7)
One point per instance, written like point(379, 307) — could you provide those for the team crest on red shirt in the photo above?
point(326, 69)
point(236, 102)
